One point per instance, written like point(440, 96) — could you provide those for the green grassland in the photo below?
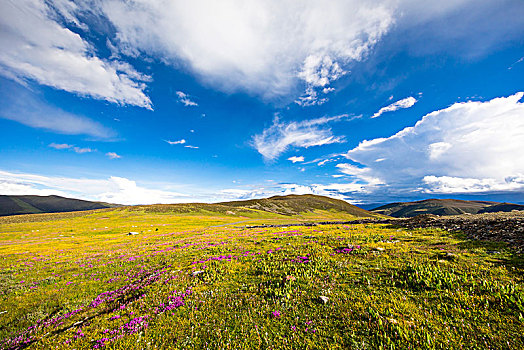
point(198, 279)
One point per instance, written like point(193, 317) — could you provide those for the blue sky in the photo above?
point(172, 101)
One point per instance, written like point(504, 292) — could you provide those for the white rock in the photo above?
point(324, 299)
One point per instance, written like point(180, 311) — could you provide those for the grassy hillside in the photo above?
point(15, 205)
point(433, 206)
point(202, 280)
point(304, 206)
point(296, 204)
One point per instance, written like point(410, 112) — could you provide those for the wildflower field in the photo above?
point(204, 281)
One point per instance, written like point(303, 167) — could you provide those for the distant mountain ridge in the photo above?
point(16, 205)
point(283, 205)
point(443, 207)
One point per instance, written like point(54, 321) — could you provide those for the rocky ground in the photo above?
point(504, 227)
point(501, 226)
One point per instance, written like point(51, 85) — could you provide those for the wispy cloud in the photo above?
point(185, 99)
point(83, 149)
point(400, 104)
point(23, 107)
point(60, 145)
point(36, 46)
point(179, 142)
point(296, 159)
point(113, 155)
point(276, 139)
point(520, 60)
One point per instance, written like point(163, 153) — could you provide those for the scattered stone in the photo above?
point(493, 252)
point(451, 256)
point(324, 299)
point(379, 249)
point(132, 233)
point(290, 278)
point(196, 273)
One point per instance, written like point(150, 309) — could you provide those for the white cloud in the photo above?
point(276, 139)
point(185, 99)
point(113, 189)
point(260, 47)
point(467, 147)
point(179, 142)
point(80, 150)
point(296, 159)
point(14, 187)
point(113, 155)
point(35, 46)
point(268, 47)
point(400, 104)
point(335, 190)
point(363, 174)
point(60, 145)
point(448, 184)
point(23, 107)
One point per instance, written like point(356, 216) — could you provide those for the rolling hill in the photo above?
point(296, 204)
point(289, 205)
point(443, 207)
point(16, 205)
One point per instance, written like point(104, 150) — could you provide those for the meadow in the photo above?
point(203, 280)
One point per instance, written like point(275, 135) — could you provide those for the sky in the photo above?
point(143, 101)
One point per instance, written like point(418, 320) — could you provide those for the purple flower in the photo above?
point(276, 314)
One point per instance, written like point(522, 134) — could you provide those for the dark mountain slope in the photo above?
point(14, 205)
point(442, 207)
point(502, 207)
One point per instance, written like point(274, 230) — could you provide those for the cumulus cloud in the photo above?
point(113, 155)
point(296, 159)
point(468, 147)
point(185, 99)
point(276, 139)
point(265, 48)
point(400, 104)
point(260, 47)
point(35, 46)
point(269, 47)
point(114, 189)
point(335, 190)
point(449, 184)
